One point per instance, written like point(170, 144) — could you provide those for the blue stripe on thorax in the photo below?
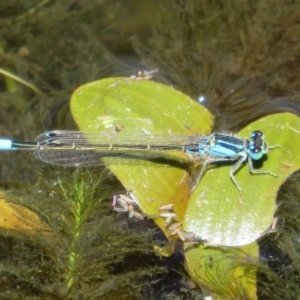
point(220, 145)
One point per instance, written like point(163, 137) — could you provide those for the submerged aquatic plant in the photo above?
point(70, 245)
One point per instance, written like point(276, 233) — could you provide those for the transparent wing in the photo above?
point(78, 149)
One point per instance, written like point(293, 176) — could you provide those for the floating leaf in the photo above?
point(224, 272)
point(215, 212)
point(124, 106)
point(22, 220)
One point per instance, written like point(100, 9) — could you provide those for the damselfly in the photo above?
point(77, 149)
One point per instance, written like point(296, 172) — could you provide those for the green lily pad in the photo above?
point(215, 212)
point(224, 272)
point(126, 107)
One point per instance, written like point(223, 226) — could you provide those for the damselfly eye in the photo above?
point(257, 134)
point(257, 145)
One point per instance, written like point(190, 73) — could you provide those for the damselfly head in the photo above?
point(257, 147)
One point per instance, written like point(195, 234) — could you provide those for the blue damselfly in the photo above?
point(78, 149)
